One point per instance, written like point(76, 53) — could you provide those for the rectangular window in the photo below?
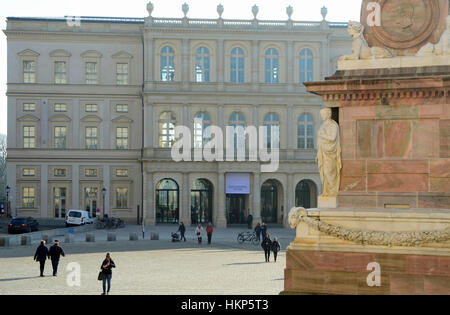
point(91, 138)
point(121, 172)
point(91, 108)
point(60, 172)
point(60, 108)
point(91, 73)
point(29, 107)
point(122, 73)
point(122, 138)
point(60, 137)
point(122, 198)
point(60, 72)
point(29, 72)
point(90, 172)
point(29, 197)
point(122, 108)
point(29, 137)
point(29, 172)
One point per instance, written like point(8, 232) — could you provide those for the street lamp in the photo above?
point(8, 189)
point(104, 194)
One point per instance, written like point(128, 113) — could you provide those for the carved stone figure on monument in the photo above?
point(442, 48)
point(360, 48)
point(329, 155)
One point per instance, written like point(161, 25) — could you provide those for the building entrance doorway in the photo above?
point(201, 202)
point(167, 200)
point(269, 201)
point(59, 202)
point(236, 209)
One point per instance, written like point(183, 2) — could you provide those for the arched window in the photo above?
point(237, 65)
point(306, 66)
point(305, 132)
point(167, 122)
point(272, 66)
point(201, 137)
point(167, 64)
point(238, 120)
point(167, 201)
point(201, 201)
point(272, 122)
point(202, 65)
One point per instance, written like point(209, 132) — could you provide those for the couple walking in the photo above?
point(43, 253)
point(268, 245)
point(199, 232)
point(260, 229)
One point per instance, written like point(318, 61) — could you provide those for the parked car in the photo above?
point(78, 217)
point(23, 225)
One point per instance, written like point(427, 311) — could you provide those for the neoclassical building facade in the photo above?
point(93, 104)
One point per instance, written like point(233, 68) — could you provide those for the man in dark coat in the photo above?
point(267, 246)
point(263, 229)
point(55, 253)
point(41, 255)
point(249, 221)
point(182, 230)
point(258, 231)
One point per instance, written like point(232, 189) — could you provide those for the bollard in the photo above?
point(133, 236)
point(112, 237)
point(90, 238)
point(25, 240)
point(68, 238)
point(4, 241)
point(154, 236)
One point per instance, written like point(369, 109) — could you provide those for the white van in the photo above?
point(78, 217)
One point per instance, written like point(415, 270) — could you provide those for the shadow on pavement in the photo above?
point(17, 279)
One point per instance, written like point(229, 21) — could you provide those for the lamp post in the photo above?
point(8, 189)
point(104, 194)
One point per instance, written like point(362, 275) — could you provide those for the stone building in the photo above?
point(93, 103)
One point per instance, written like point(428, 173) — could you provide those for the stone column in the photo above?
point(108, 135)
point(149, 60)
point(221, 220)
point(185, 209)
point(149, 199)
point(255, 64)
point(44, 192)
point(256, 198)
point(75, 186)
point(290, 64)
point(325, 59)
point(291, 132)
point(290, 198)
point(106, 184)
point(220, 65)
point(148, 126)
point(76, 132)
point(186, 64)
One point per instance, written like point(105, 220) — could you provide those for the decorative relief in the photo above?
point(367, 237)
point(442, 48)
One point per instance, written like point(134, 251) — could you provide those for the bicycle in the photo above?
point(248, 237)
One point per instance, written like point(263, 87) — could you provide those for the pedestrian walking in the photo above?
point(267, 246)
point(182, 230)
point(263, 229)
point(106, 268)
point(276, 247)
point(249, 221)
point(55, 254)
point(41, 256)
point(199, 232)
point(209, 232)
point(258, 231)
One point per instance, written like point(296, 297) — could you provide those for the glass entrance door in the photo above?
point(91, 194)
point(201, 202)
point(59, 202)
point(167, 209)
point(269, 202)
point(236, 209)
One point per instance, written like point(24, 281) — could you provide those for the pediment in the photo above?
point(28, 53)
point(60, 118)
point(60, 53)
point(91, 118)
point(122, 55)
point(29, 118)
point(122, 119)
point(91, 54)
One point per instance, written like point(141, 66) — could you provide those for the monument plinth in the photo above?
point(390, 231)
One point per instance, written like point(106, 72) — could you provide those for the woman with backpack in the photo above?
point(276, 247)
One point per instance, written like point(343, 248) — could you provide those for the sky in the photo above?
point(304, 10)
